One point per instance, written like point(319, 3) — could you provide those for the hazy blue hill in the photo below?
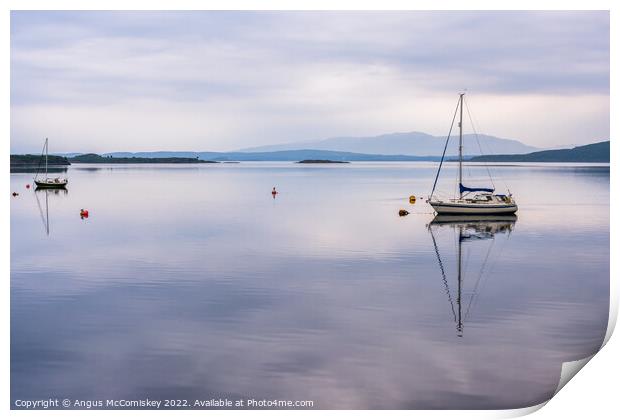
point(396, 146)
point(590, 153)
point(412, 144)
point(596, 152)
point(283, 155)
point(297, 155)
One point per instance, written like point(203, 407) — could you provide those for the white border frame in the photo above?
point(592, 394)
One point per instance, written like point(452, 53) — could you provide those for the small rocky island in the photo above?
point(321, 161)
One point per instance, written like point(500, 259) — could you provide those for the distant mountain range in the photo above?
point(596, 152)
point(412, 144)
point(283, 155)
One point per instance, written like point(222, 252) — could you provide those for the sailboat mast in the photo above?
point(461, 147)
point(46, 158)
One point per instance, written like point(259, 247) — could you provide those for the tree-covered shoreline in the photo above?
point(35, 160)
point(94, 158)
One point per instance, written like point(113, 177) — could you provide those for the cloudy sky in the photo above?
point(218, 81)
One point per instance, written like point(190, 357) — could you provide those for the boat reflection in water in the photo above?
point(44, 212)
point(466, 229)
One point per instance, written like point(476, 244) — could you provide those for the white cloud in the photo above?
point(209, 81)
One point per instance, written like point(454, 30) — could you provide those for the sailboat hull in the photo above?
point(51, 184)
point(442, 207)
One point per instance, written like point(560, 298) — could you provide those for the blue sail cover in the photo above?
point(463, 188)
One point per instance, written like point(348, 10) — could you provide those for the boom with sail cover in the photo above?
point(463, 189)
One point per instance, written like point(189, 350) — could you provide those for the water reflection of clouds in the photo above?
point(186, 288)
point(222, 338)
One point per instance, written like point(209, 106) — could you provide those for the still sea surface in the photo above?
point(191, 282)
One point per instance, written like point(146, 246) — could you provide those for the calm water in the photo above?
point(192, 282)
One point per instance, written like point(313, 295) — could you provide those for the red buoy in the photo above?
point(84, 214)
point(27, 186)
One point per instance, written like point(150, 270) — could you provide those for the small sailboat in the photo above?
point(48, 182)
point(484, 201)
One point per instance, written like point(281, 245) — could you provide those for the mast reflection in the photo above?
point(44, 212)
point(468, 228)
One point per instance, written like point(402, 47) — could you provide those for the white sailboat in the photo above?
point(48, 182)
point(485, 201)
